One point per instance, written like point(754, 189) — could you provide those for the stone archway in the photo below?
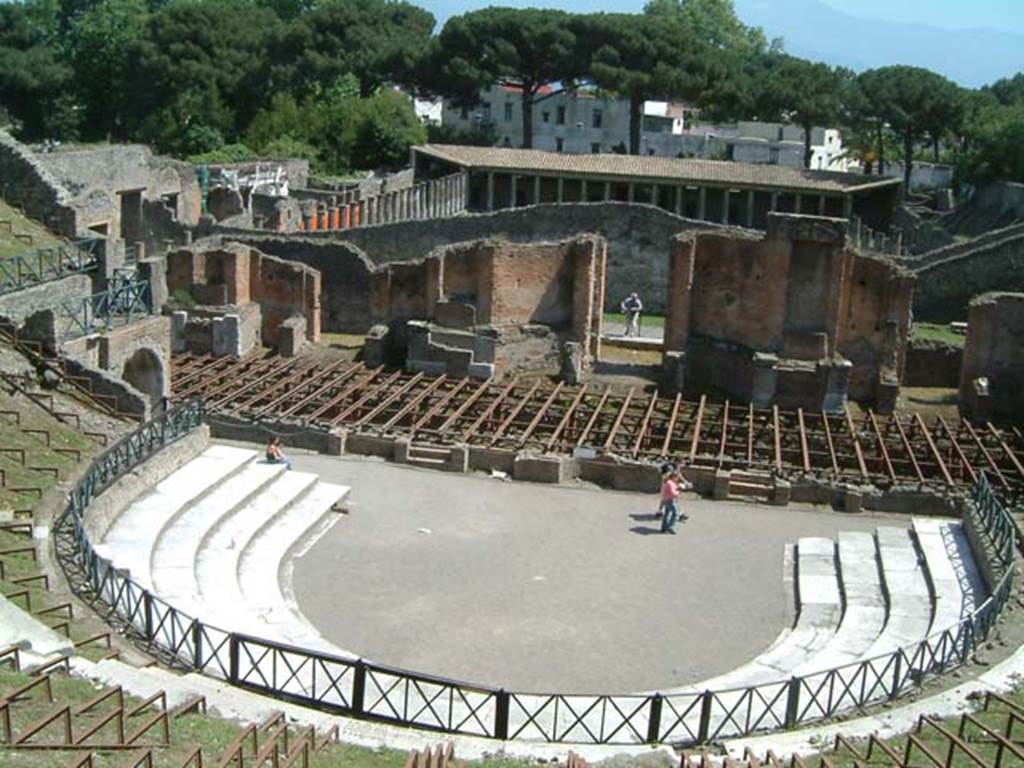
point(145, 371)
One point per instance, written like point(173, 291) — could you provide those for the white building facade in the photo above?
point(587, 122)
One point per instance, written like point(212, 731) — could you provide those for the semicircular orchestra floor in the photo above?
point(549, 588)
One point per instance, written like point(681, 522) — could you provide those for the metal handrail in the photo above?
point(389, 694)
point(45, 264)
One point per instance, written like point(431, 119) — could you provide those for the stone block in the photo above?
point(886, 393)
point(227, 338)
point(764, 379)
point(721, 489)
point(480, 370)
point(375, 346)
point(401, 450)
point(179, 320)
point(853, 499)
point(572, 362)
point(335, 445)
point(801, 345)
point(538, 469)
point(813, 229)
point(455, 314)
point(458, 458)
point(673, 371)
point(837, 386)
point(782, 491)
point(291, 336)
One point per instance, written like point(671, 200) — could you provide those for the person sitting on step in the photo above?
point(275, 454)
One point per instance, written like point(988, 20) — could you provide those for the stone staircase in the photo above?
point(214, 539)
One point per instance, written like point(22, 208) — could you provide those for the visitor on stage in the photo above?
point(631, 308)
point(672, 483)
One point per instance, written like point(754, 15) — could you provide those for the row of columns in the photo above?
point(803, 203)
point(433, 199)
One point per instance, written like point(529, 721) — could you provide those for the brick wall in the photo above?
point(995, 349)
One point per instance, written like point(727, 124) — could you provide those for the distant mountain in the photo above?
point(811, 29)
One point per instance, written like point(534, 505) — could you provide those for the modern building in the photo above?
point(727, 192)
point(587, 122)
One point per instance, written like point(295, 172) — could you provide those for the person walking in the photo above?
point(631, 308)
point(672, 483)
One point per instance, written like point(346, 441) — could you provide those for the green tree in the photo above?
point(527, 49)
point(33, 76)
point(992, 147)
point(379, 41)
point(384, 128)
point(912, 101)
point(199, 64)
point(1009, 90)
point(803, 92)
point(641, 57)
point(101, 40)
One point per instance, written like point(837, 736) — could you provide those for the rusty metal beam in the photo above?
point(724, 435)
point(466, 405)
point(881, 445)
point(472, 428)
point(984, 452)
point(593, 417)
point(750, 434)
point(516, 409)
point(539, 416)
point(831, 445)
point(381, 388)
point(777, 437)
point(441, 403)
point(1006, 449)
point(959, 451)
point(908, 448)
point(805, 455)
point(337, 398)
point(861, 464)
point(313, 382)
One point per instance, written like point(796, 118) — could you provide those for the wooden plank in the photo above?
point(513, 413)
point(777, 433)
point(290, 391)
point(671, 424)
point(935, 451)
point(856, 443)
point(414, 402)
point(535, 422)
point(959, 451)
point(831, 445)
point(319, 389)
point(643, 426)
point(566, 417)
point(472, 428)
point(339, 397)
point(441, 403)
point(593, 417)
point(881, 446)
point(805, 455)
point(367, 396)
point(466, 405)
point(984, 452)
point(908, 448)
point(694, 441)
point(750, 434)
point(618, 419)
point(725, 432)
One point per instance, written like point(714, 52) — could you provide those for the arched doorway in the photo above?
point(145, 372)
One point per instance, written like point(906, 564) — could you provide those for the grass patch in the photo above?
point(937, 332)
point(613, 320)
point(16, 240)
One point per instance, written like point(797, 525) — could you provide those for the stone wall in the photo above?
point(27, 183)
point(932, 364)
point(994, 350)
point(945, 288)
point(18, 305)
point(794, 319)
point(237, 274)
point(638, 238)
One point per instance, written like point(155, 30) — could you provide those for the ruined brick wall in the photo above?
point(995, 349)
point(26, 182)
point(236, 274)
point(874, 331)
point(530, 284)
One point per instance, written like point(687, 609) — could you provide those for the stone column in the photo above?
point(725, 206)
point(821, 205)
point(680, 191)
point(490, 191)
point(512, 191)
point(750, 208)
point(536, 190)
point(654, 194)
point(796, 203)
point(561, 190)
point(774, 206)
point(632, 191)
point(847, 207)
point(702, 203)
point(607, 191)
point(583, 190)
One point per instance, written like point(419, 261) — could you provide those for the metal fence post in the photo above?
point(233, 658)
point(147, 603)
point(359, 688)
point(501, 708)
point(654, 719)
point(705, 717)
point(197, 645)
point(897, 672)
point(792, 701)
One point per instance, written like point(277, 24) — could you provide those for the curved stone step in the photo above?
point(260, 486)
point(127, 542)
point(865, 612)
point(910, 602)
point(957, 586)
point(260, 564)
point(220, 597)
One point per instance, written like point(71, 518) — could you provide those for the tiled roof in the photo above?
point(666, 169)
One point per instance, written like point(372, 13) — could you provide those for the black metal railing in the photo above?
point(45, 264)
point(363, 689)
point(124, 301)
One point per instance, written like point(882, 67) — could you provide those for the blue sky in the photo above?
point(1007, 15)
